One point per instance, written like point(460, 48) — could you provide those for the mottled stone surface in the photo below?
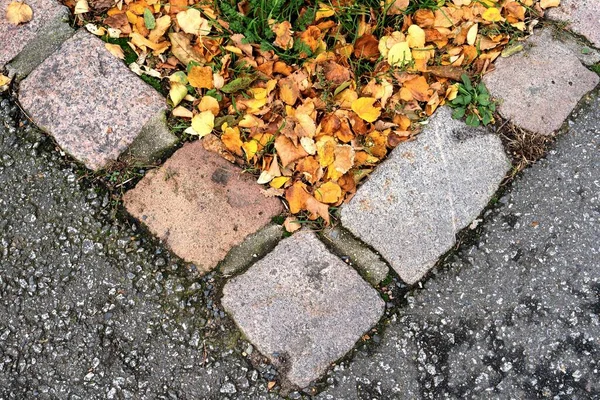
point(371, 267)
point(582, 16)
point(15, 38)
point(415, 202)
point(200, 205)
point(91, 103)
point(540, 86)
point(152, 141)
point(252, 248)
point(302, 307)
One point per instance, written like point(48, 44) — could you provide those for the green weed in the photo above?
point(473, 102)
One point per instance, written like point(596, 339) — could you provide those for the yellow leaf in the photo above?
point(364, 108)
point(326, 150)
point(4, 80)
point(549, 3)
point(182, 112)
point(18, 13)
point(177, 92)
point(209, 103)
point(162, 25)
point(203, 123)
point(279, 181)
point(115, 50)
point(472, 34)
point(324, 11)
point(250, 148)
point(201, 77)
point(416, 37)
point(399, 55)
point(81, 7)
point(492, 14)
point(191, 21)
point(329, 192)
point(231, 139)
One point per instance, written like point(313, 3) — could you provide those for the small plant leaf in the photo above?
point(458, 113)
point(149, 20)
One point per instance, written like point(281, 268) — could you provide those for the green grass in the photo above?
point(596, 68)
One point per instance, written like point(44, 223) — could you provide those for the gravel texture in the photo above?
point(540, 86)
point(417, 200)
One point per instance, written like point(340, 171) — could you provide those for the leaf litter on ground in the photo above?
point(311, 96)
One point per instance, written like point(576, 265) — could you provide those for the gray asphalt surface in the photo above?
point(90, 308)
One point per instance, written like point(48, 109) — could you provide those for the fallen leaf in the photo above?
point(81, 7)
point(291, 224)
point(492, 14)
point(201, 77)
point(209, 103)
point(367, 46)
point(329, 192)
point(18, 13)
point(115, 50)
point(283, 35)
point(232, 140)
point(182, 112)
point(177, 92)
point(399, 54)
point(203, 123)
point(549, 3)
point(364, 108)
point(191, 21)
point(183, 49)
point(415, 37)
point(287, 151)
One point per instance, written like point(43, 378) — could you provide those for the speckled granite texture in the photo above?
point(91, 103)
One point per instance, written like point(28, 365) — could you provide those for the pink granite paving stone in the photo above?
point(200, 205)
point(91, 103)
point(14, 38)
point(582, 16)
point(539, 87)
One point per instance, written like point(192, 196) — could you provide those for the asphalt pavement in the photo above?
point(91, 307)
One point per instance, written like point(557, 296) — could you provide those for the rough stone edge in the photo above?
point(253, 248)
point(343, 244)
point(152, 142)
point(47, 41)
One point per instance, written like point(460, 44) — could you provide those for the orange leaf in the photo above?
point(201, 77)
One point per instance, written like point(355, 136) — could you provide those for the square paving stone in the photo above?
point(91, 103)
point(540, 86)
point(415, 202)
point(14, 38)
point(200, 205)
point(582, 16)
point(302, 307)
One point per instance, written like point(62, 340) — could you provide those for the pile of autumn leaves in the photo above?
point(310, 131)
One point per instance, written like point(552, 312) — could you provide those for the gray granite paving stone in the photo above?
point(89, 101)
point(302, 307)
point(49, 22)
point(415, 202)
point(539, 87)
point(582, 16)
